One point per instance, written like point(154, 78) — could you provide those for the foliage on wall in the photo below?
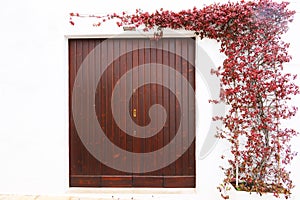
point(252, 82)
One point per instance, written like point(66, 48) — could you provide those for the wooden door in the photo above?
point(85, 169)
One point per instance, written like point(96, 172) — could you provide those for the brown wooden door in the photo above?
point(85, 169)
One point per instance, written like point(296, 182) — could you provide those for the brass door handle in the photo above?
point(134, 113)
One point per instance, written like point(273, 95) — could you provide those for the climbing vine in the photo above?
point(252, 83)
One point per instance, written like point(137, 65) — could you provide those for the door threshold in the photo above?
point(106, 190)
point(132, 193)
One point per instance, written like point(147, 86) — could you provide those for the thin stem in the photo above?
point(236, 175)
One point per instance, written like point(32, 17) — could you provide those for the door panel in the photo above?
point(85, 169)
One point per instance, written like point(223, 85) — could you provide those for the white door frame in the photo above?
point(202, 96)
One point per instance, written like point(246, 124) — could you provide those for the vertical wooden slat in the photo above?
point(172, 102)
point(159, 95)
point(166, 101)
point(135, 96)
point(72, 74)
point(104, 99)
point(122, 96)
point(178, 85)
point(129, 79)
point(141, 99)
point(91, 63)
point(153, 97)
point(79, 59)
point(185, 105)
point(147, 99)
point(109, 85)
point(128, 66)
point(98, 101)
point(192, 109)
point(116, 76)
point(83, 99)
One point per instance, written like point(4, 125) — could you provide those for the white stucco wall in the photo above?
point(34, 91)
